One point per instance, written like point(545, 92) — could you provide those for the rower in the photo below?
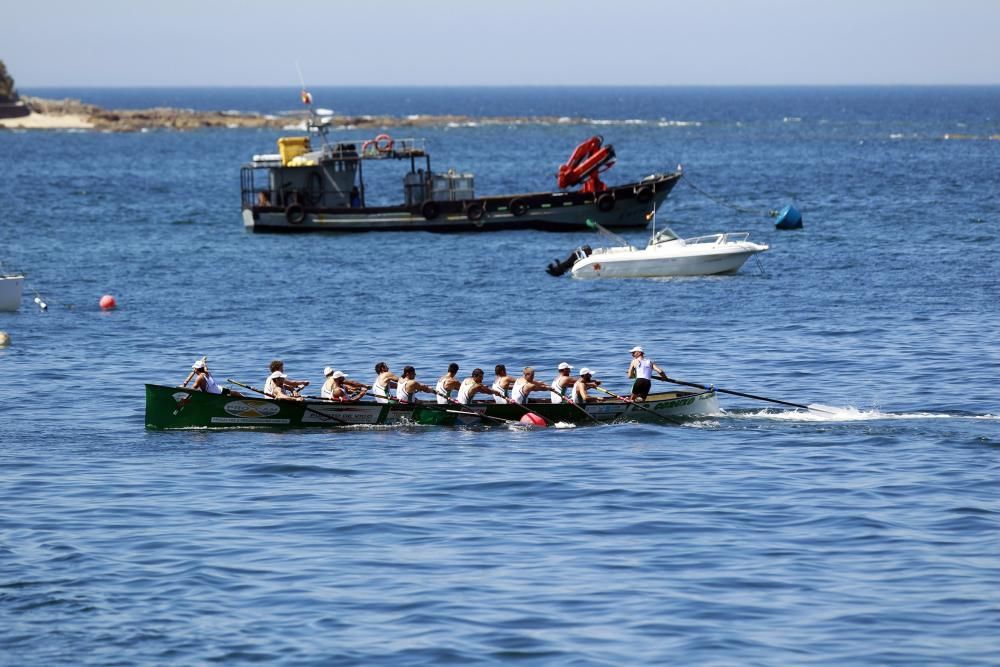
point(205, 382)
point(447, 383)
point(329, 384)
point(582, 384)
point(408, 386)
point(525, 385)
point(385, 378)
point(474, 385)
point(279, 385)
point(502, 383)
point(338, 388)
point(642, 369)
point(562, 384)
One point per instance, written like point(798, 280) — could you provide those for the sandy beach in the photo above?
point(41, 121)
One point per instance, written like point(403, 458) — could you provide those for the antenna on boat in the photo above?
point(307, 99)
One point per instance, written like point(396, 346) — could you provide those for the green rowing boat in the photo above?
point(180, 408)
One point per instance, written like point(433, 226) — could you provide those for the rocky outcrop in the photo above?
point(132, 120)
point(10, 106)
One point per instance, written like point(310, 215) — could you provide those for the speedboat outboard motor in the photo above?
point(557, 268)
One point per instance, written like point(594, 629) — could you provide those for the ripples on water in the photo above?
point(864, 534)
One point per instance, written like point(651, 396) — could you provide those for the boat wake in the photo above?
point(825, 413)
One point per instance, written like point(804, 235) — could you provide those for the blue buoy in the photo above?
point(789, 218)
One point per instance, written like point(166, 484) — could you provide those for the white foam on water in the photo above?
point(826, 413)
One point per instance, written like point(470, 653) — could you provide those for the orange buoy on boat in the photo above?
point(531, 419)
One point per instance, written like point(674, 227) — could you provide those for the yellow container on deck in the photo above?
point(291, 147)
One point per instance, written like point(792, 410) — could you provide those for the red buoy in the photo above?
point(108, 302)
point(531, 419)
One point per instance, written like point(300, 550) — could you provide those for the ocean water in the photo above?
point(865, 534)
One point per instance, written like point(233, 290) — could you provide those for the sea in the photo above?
point(864, 532)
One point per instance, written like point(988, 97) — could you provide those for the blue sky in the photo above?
point(508, 42)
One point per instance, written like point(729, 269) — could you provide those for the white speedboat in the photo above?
point(668, 255)
point(10, 291)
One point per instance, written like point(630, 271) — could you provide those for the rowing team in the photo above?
point(565, 387)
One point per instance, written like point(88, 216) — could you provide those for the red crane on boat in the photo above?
point(585, 165)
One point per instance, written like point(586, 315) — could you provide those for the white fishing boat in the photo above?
point(666, 255)
point(10, 291)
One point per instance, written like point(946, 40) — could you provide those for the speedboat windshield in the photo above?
point(664, 235)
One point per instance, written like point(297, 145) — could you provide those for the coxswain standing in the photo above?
point(642, 369)
point(383, 381)
point(408, 386)
point(447, 383)
point(562, 383)
point(279, 385)
point(474, 385)
point(525, 385)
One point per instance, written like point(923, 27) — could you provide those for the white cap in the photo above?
point(586, 371)
point(563, 366)
point(199, 364)
point(338, 374)
point(277, 374)
point(327, 371)
point(636, 349)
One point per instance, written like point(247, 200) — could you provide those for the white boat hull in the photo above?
point(10, 292)
point(662, 260)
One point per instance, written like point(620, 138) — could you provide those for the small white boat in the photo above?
point(667, 255)
point(10, 291)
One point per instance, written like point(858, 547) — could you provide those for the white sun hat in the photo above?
point(327, 371)
point(636, 349)
point(586, 371)
point(338, 375)
point(563, 366)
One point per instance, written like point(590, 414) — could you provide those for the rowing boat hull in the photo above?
point(180, 408)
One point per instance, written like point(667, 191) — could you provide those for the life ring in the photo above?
point(383, 143)
point(518, 207)
point(368, 149)
point(295, 214)
point(430, 210)
point(475, 211)
point(606, 202)
point(644, 194)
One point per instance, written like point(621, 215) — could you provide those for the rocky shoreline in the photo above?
point(74, 114)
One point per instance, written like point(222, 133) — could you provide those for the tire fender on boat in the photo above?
point(644, 194)
point(430, 210)
point(606, 202)
point(475, 211)
point(518, 207)
point(295, 214)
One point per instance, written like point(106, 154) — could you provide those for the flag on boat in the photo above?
point(307, 98)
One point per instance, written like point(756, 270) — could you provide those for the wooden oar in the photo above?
point(272, 396)
point(583, 410)
point(481, 416)
point(739, 393)
point(641, 407)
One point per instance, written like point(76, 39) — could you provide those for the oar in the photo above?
point(740, 393)
point(481, 416)
point(260, 391)
point(641, 407)
point(583, 410)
